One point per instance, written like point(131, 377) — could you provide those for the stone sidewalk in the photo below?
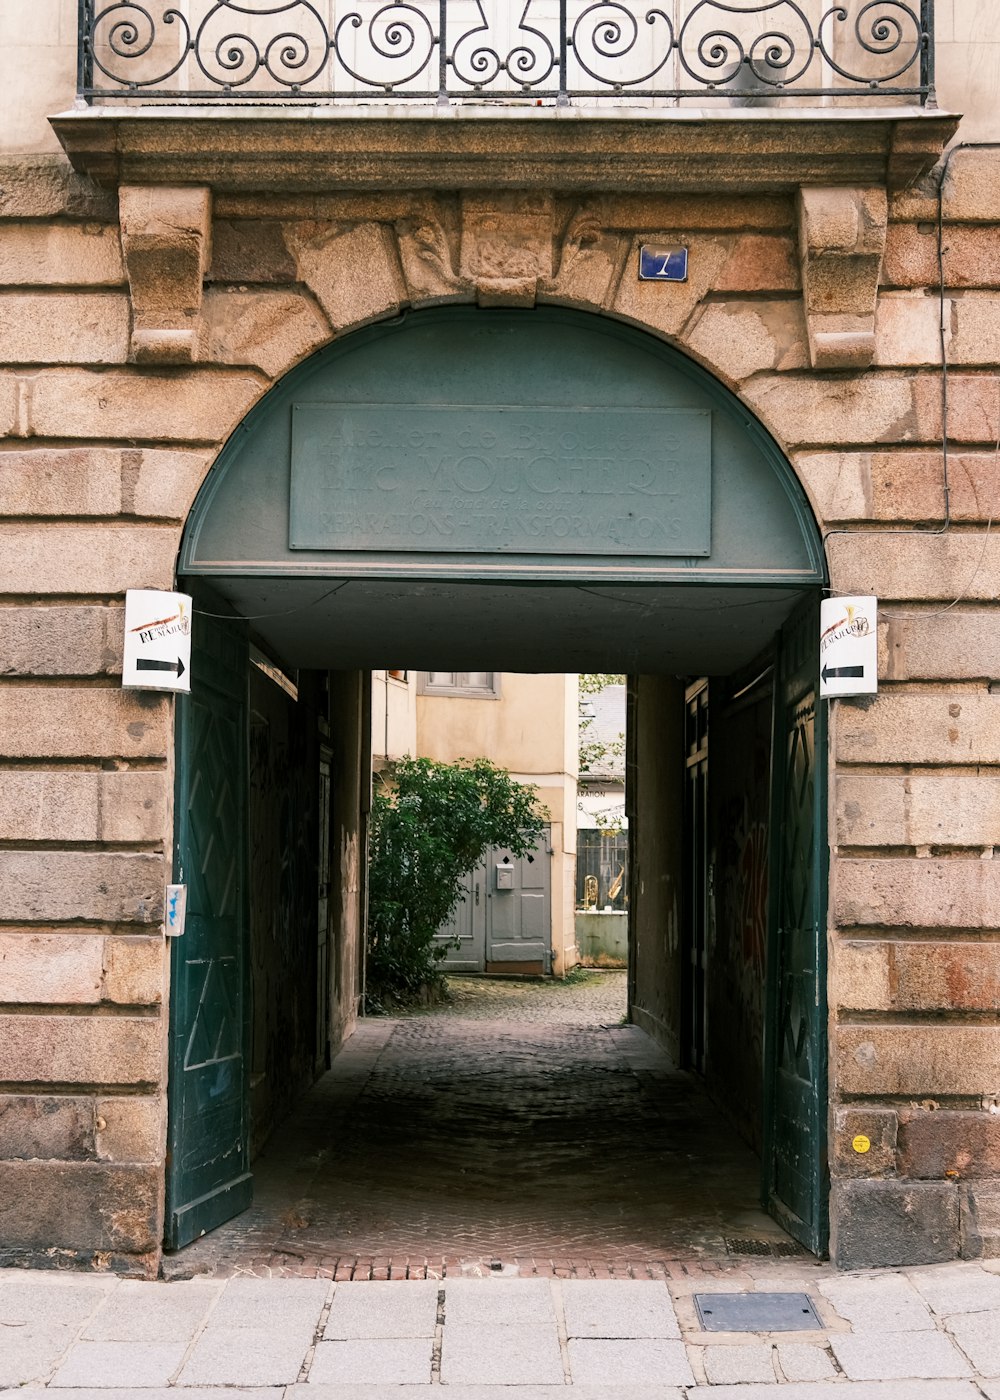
point(918, 1334)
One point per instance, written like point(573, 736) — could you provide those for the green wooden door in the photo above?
point(794, 1162)
point(208, 1176)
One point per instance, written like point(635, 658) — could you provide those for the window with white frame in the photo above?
point(474, 685)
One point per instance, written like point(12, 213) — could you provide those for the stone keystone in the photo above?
point(166, 239)
point(841, 244)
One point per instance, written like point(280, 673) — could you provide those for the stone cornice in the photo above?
point(240, 149)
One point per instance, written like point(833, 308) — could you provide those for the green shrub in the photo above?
point(428, 830)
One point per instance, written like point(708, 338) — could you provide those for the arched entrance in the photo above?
point(533, 491)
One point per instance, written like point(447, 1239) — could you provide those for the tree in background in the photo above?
point(428, 830)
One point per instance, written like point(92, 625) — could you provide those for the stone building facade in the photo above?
point(163, 267)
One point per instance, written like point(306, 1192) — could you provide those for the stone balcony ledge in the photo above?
point(242, 149)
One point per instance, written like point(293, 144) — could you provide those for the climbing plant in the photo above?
point(430, 826)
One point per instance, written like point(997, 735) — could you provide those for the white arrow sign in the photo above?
point(157, 640)
point(848, 646)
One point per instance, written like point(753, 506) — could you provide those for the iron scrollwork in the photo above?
point(740, 51)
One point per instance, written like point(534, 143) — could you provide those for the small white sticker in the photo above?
point(157, 640)
point(848, 646)
point(175, 910)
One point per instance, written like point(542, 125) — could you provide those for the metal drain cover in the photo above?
point(756, 1312)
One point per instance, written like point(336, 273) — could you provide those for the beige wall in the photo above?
point(394, 717)
point(530, 729)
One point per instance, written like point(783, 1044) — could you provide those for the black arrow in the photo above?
point(845, 671)
point(176, 666)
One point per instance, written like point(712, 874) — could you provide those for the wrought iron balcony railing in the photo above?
point(643, 53)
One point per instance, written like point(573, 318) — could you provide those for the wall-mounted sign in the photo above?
point(848, 646)
point(498, 480)
point(663, 262)
point(175, 911)
point(157, 640)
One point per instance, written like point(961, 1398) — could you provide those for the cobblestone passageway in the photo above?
point(521, 1127)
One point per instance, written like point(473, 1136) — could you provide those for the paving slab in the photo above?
point(271, 1303)
point(68, 1301)
point(504, 1355)
point(463, 1392)
point(742, 1362)
point(237, 1357)
point(883, 1303)
point(404, 1309)
point(837, 1390)
point(374, 1361)
point(152, 1312)
point(618, 1308)
point(962, 1288)
point(801, 1362)
point(898, 1356)
point(125, 1364)
point(30, 1352)
point(155, 1393)
point(978, 1334)
point(629, 1362)
point(991, 1389)
point(500, 1302)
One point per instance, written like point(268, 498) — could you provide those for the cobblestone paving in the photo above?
point(916, 1334)
point(520, 1128)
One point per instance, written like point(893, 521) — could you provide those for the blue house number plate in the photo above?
point(663, 262)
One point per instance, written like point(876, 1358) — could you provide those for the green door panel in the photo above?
point(208, 1177)
point(794, 1162)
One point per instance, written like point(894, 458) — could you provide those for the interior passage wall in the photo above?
point(739, 783)
point(283, 877)
point(655, 798)
point(350, 738)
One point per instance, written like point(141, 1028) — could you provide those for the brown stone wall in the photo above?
point(110, 425)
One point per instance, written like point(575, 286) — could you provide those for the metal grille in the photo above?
point(730, 52)
point(771, 1249)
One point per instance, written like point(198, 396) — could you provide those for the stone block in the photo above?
point(908, 329)
point(72, 1206)
point(64, 481)
point(250, 250)
point(44, 1049)
point(162, 484)
point(50, 806)
point(888, 1224)
point(45, 886)
point(925, 1061)
point(956, 1288)
point(935, 568)
point(917, 976)
point(527, 1354)
point(60, 255)
point(498, 1302)
point(971, 190)
point(328, 259)
point(81, 328)
point(148, 1312)
point(166, 239)
point(49, 969)
point(917, 810)
point(119, 1365)
point(739, 1364)
point(134, 970)
point(939, 1143)
point(66, 722)
point(879, 1126)
point(801, 1362)
point(760, 263)
point(981, 1240)
point(381, 1361)
point(973, 408)
point(671, 216)
point(11, 394)
point(46, 186)
point(971, 256)
point(41, 1127)
point(913, 893)
point(926, 728)
point(270, 330)
point(128, 1129)
point(737, 339)
point(366, 1310)
point(667, 307)
point(975, 323)
point(188, 406)
point(67, 559)
point(959, 646)
point(589, 260)
point(876, 407)
point(636, 1361)
point(978, 1334)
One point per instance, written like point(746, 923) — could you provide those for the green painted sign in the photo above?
point(471, 479)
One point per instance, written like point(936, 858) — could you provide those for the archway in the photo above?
point(535, 491)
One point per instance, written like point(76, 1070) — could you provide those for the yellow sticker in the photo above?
point(861, 1143)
